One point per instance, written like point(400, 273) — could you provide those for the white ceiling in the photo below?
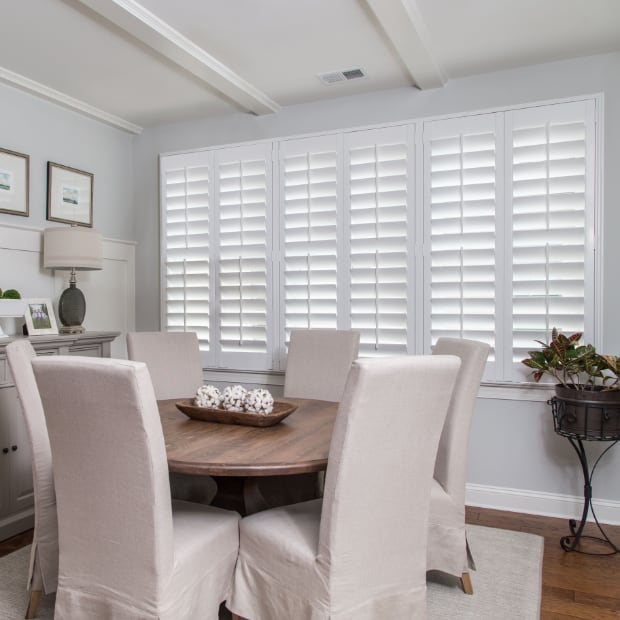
point(138, 64)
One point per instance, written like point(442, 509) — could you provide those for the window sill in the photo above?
point(496, 391)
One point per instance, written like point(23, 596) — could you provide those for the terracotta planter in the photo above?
point(592, 413)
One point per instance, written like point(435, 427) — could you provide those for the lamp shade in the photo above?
point(76, 248)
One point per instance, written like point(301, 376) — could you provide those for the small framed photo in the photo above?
point(14, 182)
point(40, 319)
point(69, 195)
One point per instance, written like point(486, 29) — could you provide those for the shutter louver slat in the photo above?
point(243, 216)
point(460, 211)
point(548, 226)
point(186, 246)
point(310, 194)
point(378, 183)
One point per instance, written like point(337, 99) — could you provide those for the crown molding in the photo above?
point(55, 96)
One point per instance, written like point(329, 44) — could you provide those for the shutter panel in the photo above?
point(310, 192)
point(461, 177)
point(186, 205)
point(244, 267)
point(552, 152)
point(379, 188)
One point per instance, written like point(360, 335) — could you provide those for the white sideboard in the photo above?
point(16, 493)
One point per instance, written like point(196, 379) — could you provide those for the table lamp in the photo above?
point(75, 249)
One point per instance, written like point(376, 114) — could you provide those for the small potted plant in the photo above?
point(587, 393)
point(11, 305)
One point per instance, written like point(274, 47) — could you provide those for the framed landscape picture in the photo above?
point(69, 195)
point(40, 317)
point(14, 182)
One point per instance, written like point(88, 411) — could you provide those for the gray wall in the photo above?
point(48, 132)
point(513, 446)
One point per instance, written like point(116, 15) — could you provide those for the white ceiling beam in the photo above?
point(404, 26)
point(160, 36)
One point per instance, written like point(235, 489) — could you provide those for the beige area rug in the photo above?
point(507, 582)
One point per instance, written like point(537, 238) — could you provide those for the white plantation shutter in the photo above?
point(244, 297)
point(310, 194)
point(488, 235)
point(186, 204)
point(552, 197)
point(461, 228)
point(379, 237)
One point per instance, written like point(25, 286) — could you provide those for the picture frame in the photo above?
point(40, 318)
point(69, 195)
point(14, 182)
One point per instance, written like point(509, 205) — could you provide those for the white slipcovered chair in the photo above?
point(448, 551)
point(318, 363)
point(126, 549)
point(43, 572)
point(360, 552)
point(173, 360)
point(317, 367)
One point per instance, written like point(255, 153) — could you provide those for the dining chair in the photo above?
point(448, 550)
point(43, 569)
point(318, 362)
point(360, 552)
point(126, 549)
point(173, 360)
point(317, 367)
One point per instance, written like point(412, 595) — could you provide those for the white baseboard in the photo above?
point(540, 503)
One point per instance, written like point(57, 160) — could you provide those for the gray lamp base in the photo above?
point(71, 310)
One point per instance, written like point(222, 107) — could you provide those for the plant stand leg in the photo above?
point(570, 542)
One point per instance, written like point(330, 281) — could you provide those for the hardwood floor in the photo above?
point(574, 585)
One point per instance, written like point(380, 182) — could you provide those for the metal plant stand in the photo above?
point(582, 420)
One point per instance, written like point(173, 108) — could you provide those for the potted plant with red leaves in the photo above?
point(587, 394)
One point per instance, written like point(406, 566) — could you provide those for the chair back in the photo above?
point(452, 452)
point(377, 486)
point(44, 554)
point(318, 363)
point(173, 360)
point(111, 475)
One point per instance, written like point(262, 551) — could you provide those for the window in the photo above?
point(479, 226)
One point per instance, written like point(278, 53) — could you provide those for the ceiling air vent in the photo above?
point(341, 76)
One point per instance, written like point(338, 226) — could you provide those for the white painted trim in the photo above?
point(404, 25)
point(160, 36)
point(540, 503)
point(516, 391)
point(493, 391)
point(55, 96)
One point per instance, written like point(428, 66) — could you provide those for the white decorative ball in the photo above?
point(208, 396)
point(234, 398)
point(259, 401)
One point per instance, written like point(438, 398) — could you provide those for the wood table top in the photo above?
point(299, 444)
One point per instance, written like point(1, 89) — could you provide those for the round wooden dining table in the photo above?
point(236, 456)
